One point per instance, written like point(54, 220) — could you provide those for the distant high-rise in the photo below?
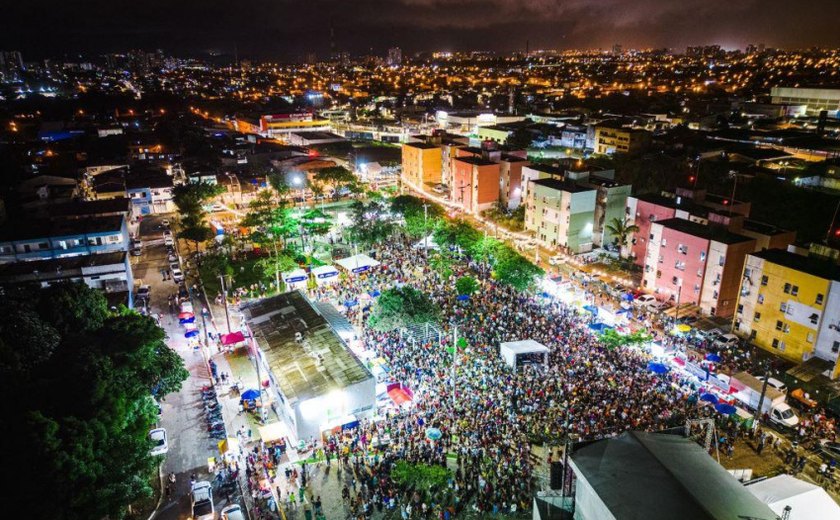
point(11, 65)
point(394, 57)
point(616, 49)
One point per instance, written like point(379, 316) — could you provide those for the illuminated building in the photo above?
point(561, 213)
point(611, 139)
point(421, 164)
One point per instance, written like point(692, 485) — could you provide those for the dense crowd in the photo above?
point(488, 414)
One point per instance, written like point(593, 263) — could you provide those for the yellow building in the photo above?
point(421, 164)
point(789, 305)
point(611, 139)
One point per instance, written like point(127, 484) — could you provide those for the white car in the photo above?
point(659, 306)
point(177, 274)
point(168, 241)
point(187, 307)
point(201, 499)
point(775, 383)
point(232, 512)
point(165, 223)
point(729, 340)
point(644, 300)
point(160, 440)
point(555, 260)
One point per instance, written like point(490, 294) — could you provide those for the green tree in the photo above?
point(520, 139)
point(371, 223)
point(621, 230)
point(336, 177)
point(511, 268)
point(81, 425)
point(399, 307)
point(421, 217)
point(457, 233)
point(466, 285)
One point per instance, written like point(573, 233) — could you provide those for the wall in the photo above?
point(689, 274)
point(645, 214)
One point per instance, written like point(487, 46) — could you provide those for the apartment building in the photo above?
point(610, 139)
point(688, 263)
point(475, 183)
point(561, 213)
point(789, 304)
point(421, 164)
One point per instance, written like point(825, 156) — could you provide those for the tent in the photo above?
point(325, 274)
point(427, 243)
point(232, 338)
point(516, 353)
point(295, 279)
point(357, 263)
point(806, 500)
point(272, 431)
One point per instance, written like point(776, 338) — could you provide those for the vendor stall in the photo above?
point(525, 352)
point(325, 274)
point(295, 279)
point(357, 263)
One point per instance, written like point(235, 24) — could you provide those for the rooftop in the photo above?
point(709, 232)
point(422, 146)
point(55, 265)
point(315, 366)
point(657, 477)
point(813, 265)
point(478, 161)
point(36, 229)
point(562, 185)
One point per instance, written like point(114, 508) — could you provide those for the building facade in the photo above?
point(421, 164)
point(475, 183)
point(561, 214)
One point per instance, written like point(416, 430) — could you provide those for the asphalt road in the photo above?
point(190, 446)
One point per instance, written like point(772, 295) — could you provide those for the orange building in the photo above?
point(475, 183)
point(421, 164)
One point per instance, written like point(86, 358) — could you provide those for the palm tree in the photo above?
point(621, 231)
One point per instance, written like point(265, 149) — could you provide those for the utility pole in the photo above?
point(425, 226)
point(224, 295)
point(763, 392)
point(454, 361)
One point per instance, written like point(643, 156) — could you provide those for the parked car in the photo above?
point(645, 300)
point(177, 274)
point(165, 222)
point(160, 441)
point(439, 188)
point(659, 306)
point(830, 449)
point(232, 512)
point(168, 241)
point(555, 260)
point(144, 292)
point(186, 307)
point(201, 500)
point(728, 340)
point(775, 383)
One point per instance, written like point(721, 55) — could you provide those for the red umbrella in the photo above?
point(185, 315)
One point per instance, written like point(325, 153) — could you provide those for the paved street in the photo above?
point(190, 446)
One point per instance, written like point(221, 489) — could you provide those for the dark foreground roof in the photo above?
point(651, 476)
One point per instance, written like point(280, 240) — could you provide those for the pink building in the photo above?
point(643, 211)
point(689, 263)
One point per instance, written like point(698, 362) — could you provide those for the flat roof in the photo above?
point(51, 266)
point(562, 185)
point(423, 146)
point(25, 230)
point(545, 168)
point(763, 228)
point(478, 161)
point(315, 366)
point(813, 265)
point(710, 232)
point(524, 346)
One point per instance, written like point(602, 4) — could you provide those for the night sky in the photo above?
point(289, 28)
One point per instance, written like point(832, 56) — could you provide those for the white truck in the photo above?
point(747, 389)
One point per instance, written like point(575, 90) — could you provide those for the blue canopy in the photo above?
point(250, 395)
point(351, 303)
point(599, 327)
point(545, 294)
point(714, 358)
point(657, 368)
point(433, 434)
point(374, 293)
point(462, 297)
point(725, 409)
point(184, 321)
point(623, 311)
point(191, 334)
point(709, 398)
point(627, 296)
point(591, 308)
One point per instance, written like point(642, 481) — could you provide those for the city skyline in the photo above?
point(289, 29)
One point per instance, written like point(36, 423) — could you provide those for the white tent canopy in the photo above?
point(325, 274)
point(514, 352)
point(357, 263)
point(427, 243)
point(806, 500)
point(295, 278)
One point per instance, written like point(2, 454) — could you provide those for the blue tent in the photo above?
point(709, 398)
point(374, 293)
point(191, 334)
point(627, 296)
point(657, 368)
point(599, 327)
point(714, 358)
point(591, 308)
point(250, 395)
point(351, 303)
point(725, 409)
point(462, 297)
point(545, 294)
point(184, 321)
point(623, 311)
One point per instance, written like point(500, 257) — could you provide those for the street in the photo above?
point(190, 445)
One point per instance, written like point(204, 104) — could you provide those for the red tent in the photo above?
point(232, 338)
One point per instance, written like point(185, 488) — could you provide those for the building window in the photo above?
point(835, 347)
point(747, 273)
point(819, 299)
point(696, 289)
point(702, 256)
point(810, 338)
point(794, 290)
point(674, 280)
point(682, 249)
point(764, 280)
point(783, 308)
point(740, 308)
point(753, 334)
point(757, 316)
point(680, 265)
point(664, 242)
point(787, 288)
point(775, 343)
point(779, 325)
point(760, 298)
point(721, 260)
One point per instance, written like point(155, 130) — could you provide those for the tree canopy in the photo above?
point(400, 307)
point(419, 220)
point(79, 381)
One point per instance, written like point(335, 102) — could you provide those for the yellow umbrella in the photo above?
point(228, 445)
point(682, 327)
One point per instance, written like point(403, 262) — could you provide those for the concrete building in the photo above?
point(475, 183)
point(610, 139)
point(691, 264)
point(815, 99)
point(394, 58)
point(610, 203)
point(421, 164)
point(511, 180)
point(789, 305)
point(317, 382)
point(313, 138)
point(561, 213)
